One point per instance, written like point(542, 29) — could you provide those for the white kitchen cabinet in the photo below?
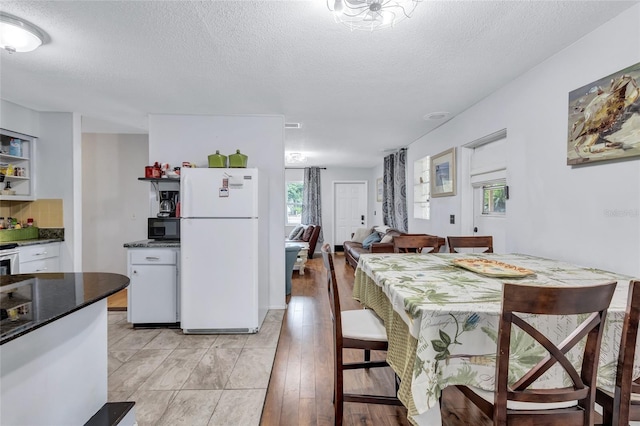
point(22, 177)
point(39, 258)
point(153, 290)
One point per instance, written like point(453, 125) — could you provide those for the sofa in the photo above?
point(306, 233)
point(356, 246)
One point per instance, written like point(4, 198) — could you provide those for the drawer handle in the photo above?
point(152, 258)
point(40, 254)
point(40, 270)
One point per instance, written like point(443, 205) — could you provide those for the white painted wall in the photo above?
point(115, 203)
point(178, 138)
point(60, 176)
point(588, 215)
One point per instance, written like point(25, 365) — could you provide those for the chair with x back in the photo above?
point(470, 242)
point(517, 400)
point(416, 243)
point(353, 329)
point(623, 405)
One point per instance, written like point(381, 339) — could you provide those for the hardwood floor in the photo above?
point(118, 301)
point(301, 387)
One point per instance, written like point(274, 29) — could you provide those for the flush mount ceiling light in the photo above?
point(17, 35)
point(437, 115)
point(370, 15)
point(296, 157)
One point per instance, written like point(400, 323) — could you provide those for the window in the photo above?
point(294, 202)
point(421, 188)
point(494, 199)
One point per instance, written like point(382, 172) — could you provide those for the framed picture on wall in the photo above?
point(604, 118)
point(443, 174)
point(379, 190)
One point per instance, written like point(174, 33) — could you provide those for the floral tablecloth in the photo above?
point(442, 320)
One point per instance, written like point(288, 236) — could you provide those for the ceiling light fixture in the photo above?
point(296, 157)
point(17, 35)
point(436, 115)
point(370, 15)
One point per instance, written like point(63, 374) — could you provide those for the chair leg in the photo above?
point(338, 397)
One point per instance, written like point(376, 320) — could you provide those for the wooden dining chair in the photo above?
point(353, 329)
point(415, 243)
point(518, 402)
point(470, 242)
point(623, 405)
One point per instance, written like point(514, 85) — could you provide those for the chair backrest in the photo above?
point(415, 243)
point(470, 242)
point(334, 296)
point(314, 240)
point(625, 385)
point(532, 299)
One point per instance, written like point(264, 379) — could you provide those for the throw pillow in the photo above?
point(299, 234)
point(382, 229)
point(294, 232)
point(306, 236)
point(360, 235)
point(388, 238)
point(374, 237)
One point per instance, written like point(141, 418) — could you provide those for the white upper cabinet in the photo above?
point(17, 158)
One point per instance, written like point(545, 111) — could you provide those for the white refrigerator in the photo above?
point(223, 229)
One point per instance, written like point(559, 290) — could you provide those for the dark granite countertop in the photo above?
point(30, 301)
point(152, 244)
point(23, 243)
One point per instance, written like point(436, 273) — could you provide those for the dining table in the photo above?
point(441, 313)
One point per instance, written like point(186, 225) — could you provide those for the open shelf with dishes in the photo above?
point(17, 174)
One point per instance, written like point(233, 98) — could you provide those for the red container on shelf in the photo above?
point(148, 171)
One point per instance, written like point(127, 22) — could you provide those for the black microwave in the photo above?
point(163, 228)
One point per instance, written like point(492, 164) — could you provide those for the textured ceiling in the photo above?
point(355, 93)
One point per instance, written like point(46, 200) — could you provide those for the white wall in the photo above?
point(178, 138)
point(554, 210)
point(60, 176)
point(115, 204)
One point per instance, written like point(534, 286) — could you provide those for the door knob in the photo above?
point(475, 229)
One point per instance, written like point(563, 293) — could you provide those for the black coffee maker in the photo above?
point(168, 200)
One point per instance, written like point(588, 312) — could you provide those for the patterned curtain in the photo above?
point(394, 191)
point(311, 203)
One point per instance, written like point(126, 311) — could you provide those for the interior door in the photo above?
point(488, 224)
point(350, 209)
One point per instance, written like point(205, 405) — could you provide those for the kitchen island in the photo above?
point(53, 346)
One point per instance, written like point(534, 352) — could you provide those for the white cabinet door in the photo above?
point(153, 294)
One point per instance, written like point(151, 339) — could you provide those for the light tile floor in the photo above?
point(178, 379)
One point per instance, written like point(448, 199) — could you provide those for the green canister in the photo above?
point(217, 160)
point(237, 159)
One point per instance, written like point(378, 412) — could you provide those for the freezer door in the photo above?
point(218, 193)
point(219, 275)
